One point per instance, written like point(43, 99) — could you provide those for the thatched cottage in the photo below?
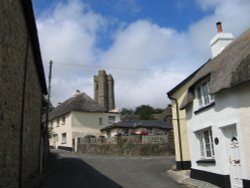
point(217, 105)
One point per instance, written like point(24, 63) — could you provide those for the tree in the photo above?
point(125, 111)
point(145, 112)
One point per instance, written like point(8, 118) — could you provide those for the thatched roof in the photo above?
point(230, 68)
point(140, 124)
point(81, 102)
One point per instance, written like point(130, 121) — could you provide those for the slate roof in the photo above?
point(81, 102)
point(230, 68)
point(140, 124)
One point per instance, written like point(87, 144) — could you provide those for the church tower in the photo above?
point(104, 90)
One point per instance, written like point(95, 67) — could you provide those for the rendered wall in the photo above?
point(230, 112)
point(13, 40)
point(179, 95)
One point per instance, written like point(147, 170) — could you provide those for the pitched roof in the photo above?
point(81, 102)
point(139, 124)
point(230, 68)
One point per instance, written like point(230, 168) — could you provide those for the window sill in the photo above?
point(204, 107)
point(206, 161)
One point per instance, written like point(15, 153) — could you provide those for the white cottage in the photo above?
point(218, 114)
point(77, 117)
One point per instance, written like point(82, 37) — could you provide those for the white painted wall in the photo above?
point(231, 109)
point(60, 129)
point(79, 124)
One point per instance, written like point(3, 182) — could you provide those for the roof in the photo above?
point(140, 124)
point(165, 113)
point(31, 24)
point(81, 102)
point(230, 68)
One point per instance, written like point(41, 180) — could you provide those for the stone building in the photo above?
point(104, 90)
point(22, 89)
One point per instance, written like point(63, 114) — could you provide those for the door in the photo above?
point(236, 167)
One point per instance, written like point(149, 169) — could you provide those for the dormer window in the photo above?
point(58, 122)
point(63, 120)
point(202, 93)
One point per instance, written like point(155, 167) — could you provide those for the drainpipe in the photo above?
point(22, 113)
point(179, 131)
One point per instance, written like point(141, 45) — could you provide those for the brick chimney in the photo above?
point(220, 40)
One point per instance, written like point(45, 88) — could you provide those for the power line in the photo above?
point(114, 67)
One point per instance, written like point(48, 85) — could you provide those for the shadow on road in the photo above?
point(74, 173)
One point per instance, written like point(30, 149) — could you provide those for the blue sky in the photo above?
point(177, 14)
point(148, 46)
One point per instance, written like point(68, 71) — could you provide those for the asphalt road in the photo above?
point(73, 170)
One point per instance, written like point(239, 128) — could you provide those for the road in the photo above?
point(73, 170)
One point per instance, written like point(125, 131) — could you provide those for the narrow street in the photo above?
point(73, 170)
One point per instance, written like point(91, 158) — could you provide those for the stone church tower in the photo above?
point(104, 90)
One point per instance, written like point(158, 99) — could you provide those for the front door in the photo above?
point(236, 167)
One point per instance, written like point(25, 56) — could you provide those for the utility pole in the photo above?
point(49, 94)
point(46, 133)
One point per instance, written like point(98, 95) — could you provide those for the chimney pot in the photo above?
point(219, 27)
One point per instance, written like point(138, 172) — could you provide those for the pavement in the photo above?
point(183, 177)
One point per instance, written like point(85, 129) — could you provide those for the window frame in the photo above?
point(205, 142)
point(57, 122)
point(111, 119)
point(64, 138)
point(63, 120)
point(100, 121)
point(202, 94)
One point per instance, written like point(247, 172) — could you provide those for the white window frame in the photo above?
point(64, 138)
point(111, 119)
point(58, 122)
point(63, 120)
point(202, 94)
point(100, 121)
point(205, 141)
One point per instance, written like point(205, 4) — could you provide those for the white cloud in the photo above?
point(68, 36)
point(146, 60)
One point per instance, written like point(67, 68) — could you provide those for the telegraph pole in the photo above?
point(46, 132)
point(49, 94)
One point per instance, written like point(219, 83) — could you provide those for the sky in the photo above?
point(147, 46)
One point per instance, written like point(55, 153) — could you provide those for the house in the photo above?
point(23, 88)
point(217, 105)
point(176, 95)
point(81, 116)
point(137, 127)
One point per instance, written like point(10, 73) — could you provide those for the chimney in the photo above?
point(219, 27)
point(77, 92)
point(220, 40)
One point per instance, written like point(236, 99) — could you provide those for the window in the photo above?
point(63, 120)
point(111, 119)
point(55, 137)
point(64, 138)
point(58, 122)
point(205, 138)
point(100, 121)
point(203, 96)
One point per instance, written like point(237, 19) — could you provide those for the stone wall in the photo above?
point(13, 50)
point(127, 149)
